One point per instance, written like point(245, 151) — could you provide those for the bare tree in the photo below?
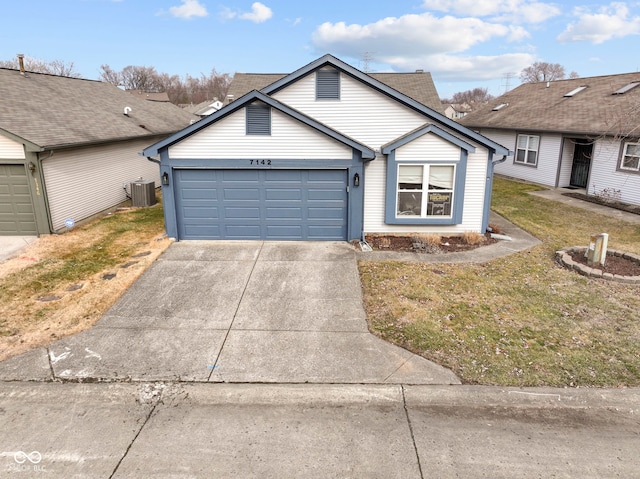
point(180, 91)
point(109, 75)
point(543, 71)
point(36, 65)
point(475, 96)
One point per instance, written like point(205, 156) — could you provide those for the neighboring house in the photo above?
point(69, 146)
point(455, 111)
point(578, 133)
point(325, 153)
point(204, 108)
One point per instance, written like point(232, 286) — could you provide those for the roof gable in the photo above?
point(564, 106)
point(432, 114)
point(154, 150)
point(49, 111)
point(423, 130)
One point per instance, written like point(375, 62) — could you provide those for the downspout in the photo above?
point(487, 208)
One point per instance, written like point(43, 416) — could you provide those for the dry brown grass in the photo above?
point(52, 265)
point(473, 238)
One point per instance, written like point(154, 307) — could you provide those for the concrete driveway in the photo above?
point(264, 312)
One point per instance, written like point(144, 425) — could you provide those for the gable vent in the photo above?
point(327, 85)
point(258, 119)
point(626, 88)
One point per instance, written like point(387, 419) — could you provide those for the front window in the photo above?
point(425, 190)
point(631, 158)
point(527, 150)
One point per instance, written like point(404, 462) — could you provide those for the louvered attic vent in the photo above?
point(327, 85)
point(258, 119)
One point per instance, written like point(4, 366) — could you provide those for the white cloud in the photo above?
point(259, 13)
point(188, 9)
point(519, 11)
point(410, 34)
point(427, 42)
point(466, 68)
point(611, 22)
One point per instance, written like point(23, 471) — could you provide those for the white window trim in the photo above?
point(624, 155)
point(425, 191)
point(526, 149)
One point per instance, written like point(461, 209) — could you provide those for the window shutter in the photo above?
point(258, 119)
point(327, 85)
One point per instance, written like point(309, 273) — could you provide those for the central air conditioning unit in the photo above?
point(143, 193)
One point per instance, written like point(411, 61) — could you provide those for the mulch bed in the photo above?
point(618, 205)
point(448, 244)
point(612, 264)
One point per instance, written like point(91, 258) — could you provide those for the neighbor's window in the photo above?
point(327, 85)
point(258, 119)
point(425, 190)
point(631, 157)
point(527, 149)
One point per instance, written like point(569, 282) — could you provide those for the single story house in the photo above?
point(325, 153)
point(578, 133)
point(69, 148)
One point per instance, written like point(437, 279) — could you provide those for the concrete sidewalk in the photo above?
point(199, 430)
point(242, 312)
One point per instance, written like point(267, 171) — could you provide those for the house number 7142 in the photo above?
point(260, 162)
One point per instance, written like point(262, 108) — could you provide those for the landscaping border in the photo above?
point(564, 258)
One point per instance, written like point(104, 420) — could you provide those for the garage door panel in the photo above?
point(242, 232)
point(202, 231)
point(278, 194)
point(199, 194)
point(243, 194)
point(243, 213)
point(200, 212)
point(263, 204)
point(284, 213)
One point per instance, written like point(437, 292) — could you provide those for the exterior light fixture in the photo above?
point(165, 179)
point(356, 180)
point(32, 167)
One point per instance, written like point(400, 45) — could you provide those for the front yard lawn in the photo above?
point(521, 320)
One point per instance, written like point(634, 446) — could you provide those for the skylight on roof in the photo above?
point(576, 90)
point(500, 106)
point(626, 88)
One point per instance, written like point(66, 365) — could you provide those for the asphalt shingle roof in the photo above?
point(53, 111)
point(418, 86)
point(538, 107)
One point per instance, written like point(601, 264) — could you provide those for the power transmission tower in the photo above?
point(366, 59)
point(507, 81)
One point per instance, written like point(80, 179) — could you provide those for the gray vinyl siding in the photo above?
point(85, 181)
point(605, 174)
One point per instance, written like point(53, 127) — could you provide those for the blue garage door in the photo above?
point(261, 204)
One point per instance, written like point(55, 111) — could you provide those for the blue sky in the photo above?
point(463, 43)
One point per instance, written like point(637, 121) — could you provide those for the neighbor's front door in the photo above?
point(581, 164)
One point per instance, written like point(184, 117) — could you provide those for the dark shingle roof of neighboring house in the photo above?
point(418, 86)
point(596, 109)
point(52, 111)
point(150, 96)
